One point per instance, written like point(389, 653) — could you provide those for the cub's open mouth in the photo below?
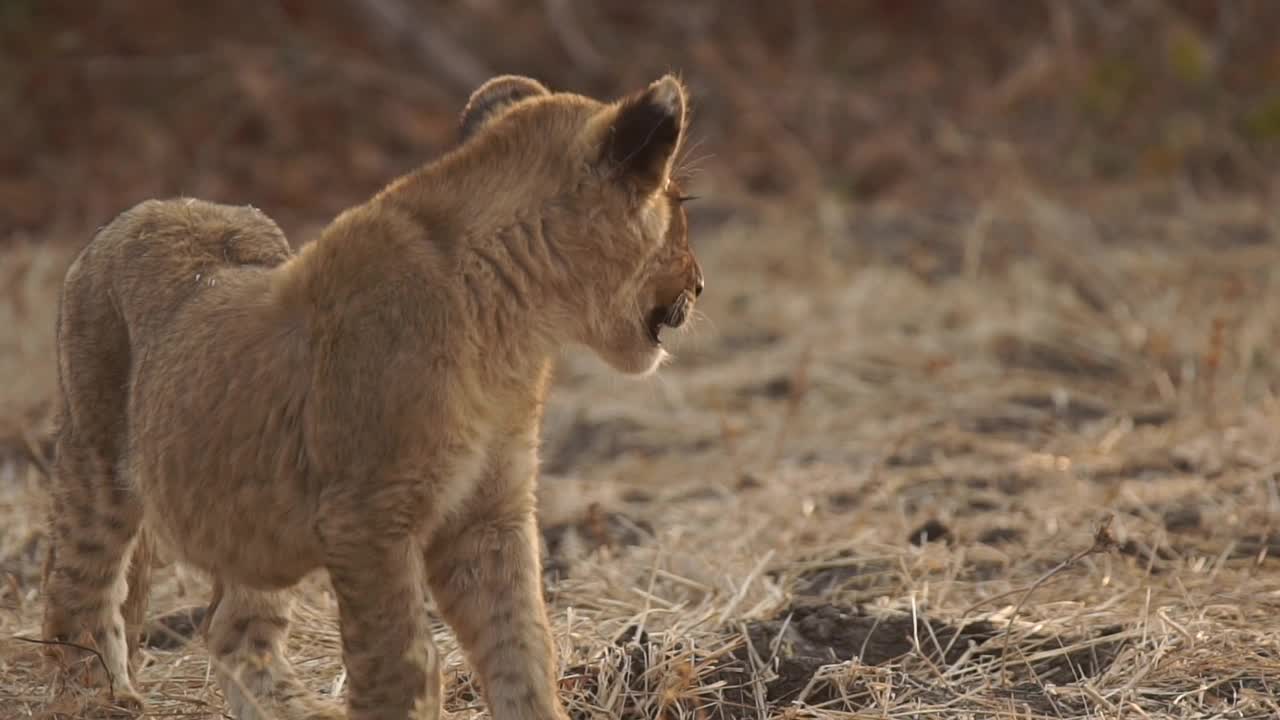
point(672, 316)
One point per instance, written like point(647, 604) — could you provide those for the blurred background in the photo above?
point(980, 273)
point(813, 113)
point(305, 106)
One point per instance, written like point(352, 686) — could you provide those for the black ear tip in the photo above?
point(643, 130)
point(494, 95)
point(668, 94)
point(645, 133)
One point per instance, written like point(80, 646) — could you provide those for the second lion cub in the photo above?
point(369, 405)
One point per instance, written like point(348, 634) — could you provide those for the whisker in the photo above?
point(697, 317)
point(692, 168)
point(687, 164)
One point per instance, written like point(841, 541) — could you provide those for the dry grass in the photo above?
point(1019, 462)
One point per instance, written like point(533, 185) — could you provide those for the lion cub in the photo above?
point(369, 406)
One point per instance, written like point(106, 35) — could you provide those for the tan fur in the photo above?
point(369, 405)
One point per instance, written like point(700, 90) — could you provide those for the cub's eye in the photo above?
point(682, 199)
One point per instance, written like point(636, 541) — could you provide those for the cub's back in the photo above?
point(133, 274)
point(157, 254)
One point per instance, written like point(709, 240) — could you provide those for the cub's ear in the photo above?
point(641, 141)
point(492, 97)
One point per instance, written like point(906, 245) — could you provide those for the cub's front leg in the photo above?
point(486, 578)
point(392, 663)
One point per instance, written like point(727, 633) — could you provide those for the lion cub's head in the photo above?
point(610, 215)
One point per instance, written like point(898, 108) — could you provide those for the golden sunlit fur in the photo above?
point(369, 405)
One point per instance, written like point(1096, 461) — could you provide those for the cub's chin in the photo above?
point(635, 350)
point(640, 359)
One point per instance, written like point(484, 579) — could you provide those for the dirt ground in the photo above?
point(978, 422)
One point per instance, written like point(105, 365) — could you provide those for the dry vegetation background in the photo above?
point(980, 419)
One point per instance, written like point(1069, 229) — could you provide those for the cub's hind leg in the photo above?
point(95, 514)
point(141, 563)
point(94, 525)
point(247, 634)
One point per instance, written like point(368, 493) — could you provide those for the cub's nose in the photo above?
point(697, 286)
